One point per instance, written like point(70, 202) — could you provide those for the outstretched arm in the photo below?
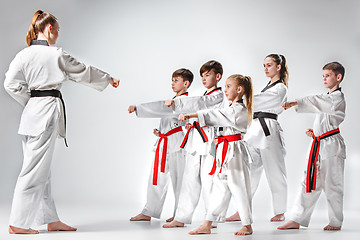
point(288, 105)
point(184, 117)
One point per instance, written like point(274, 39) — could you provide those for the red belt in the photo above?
point(163, 157)
point(200, 130)
point(225, 140)
point(314, 153)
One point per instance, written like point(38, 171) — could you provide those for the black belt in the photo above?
point(51, 93)
point(261, 116)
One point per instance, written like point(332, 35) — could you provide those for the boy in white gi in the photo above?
point(197, 144)
point(34, 80)
point(265, 136)
point(169, 157)
point(325, 169)
point(231, 164)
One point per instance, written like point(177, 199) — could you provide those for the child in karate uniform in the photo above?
point(232, 158)
point(169, 157)
point(40, 70)
point(325, 169)
point(197, 144)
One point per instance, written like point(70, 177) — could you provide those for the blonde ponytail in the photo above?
point(246, 83)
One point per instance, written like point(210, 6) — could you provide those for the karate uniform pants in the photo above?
point(196, 180)
point(32, 202)
point(330, 179)
point(233, 181)
point(156, 194)
point(272, 160)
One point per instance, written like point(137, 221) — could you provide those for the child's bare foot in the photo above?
point(203, 229)
point(173, 224)
point(245, 230)
point(59, 226)
point(331, 228)
point(16, 230)
point(234, 217)
point(140, 217)
point(170, 219)
point(289, 225)
point(278, 218)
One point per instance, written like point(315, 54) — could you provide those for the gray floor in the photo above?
point(111, 222)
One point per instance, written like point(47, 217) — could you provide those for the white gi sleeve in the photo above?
point(81, 73)
point(270, 99)
point(193, 104)
point(15, 83)
point(154, 110)
point(322, 103)
point(224, 117)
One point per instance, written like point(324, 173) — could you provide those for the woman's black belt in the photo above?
point(51, 93)
point(261, 116)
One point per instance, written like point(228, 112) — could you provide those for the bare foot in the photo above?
point(234, 217)
point(331, 228)
point(173, 224)
point(203, 229)
point(59, 226)
point(289, 225)
point(140, 217)
point(16, 230)
point(170, 219)
point(278, 218)
point(246, 230)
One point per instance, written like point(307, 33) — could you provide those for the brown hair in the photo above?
point(38, 23)
point(284, 72)
point(186, 74)
point(336, 67)
point(211, 65)
point(246, 83)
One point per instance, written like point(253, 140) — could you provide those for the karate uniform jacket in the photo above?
point(230, 120)
point(169, 120)
point(269, 101)
point(43, 67)
point(330, 113)
point(214, 100)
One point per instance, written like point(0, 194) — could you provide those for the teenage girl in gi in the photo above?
point(34, 80)
point(231, 161)
point(265, 136)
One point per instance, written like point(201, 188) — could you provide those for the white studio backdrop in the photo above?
point(142, 43)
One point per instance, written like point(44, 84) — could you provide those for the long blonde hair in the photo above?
point(38, 23)
point(246, 83)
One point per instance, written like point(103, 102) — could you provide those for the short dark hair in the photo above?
point(211, 65)
point(336, 67)
point(186, 74)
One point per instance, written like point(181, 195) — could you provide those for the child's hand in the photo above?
point(114, 82)
point(215, 141)
point(169, 103)
point(156, 132)
point(309, 132)
point(183, 117)
point(288, 105)
point(188, 125)
point(132, 108)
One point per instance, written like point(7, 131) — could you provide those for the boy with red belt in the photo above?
point(325, 169)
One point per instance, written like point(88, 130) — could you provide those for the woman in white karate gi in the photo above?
point(265, 136)
point(34, 79)
point(232, 176)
